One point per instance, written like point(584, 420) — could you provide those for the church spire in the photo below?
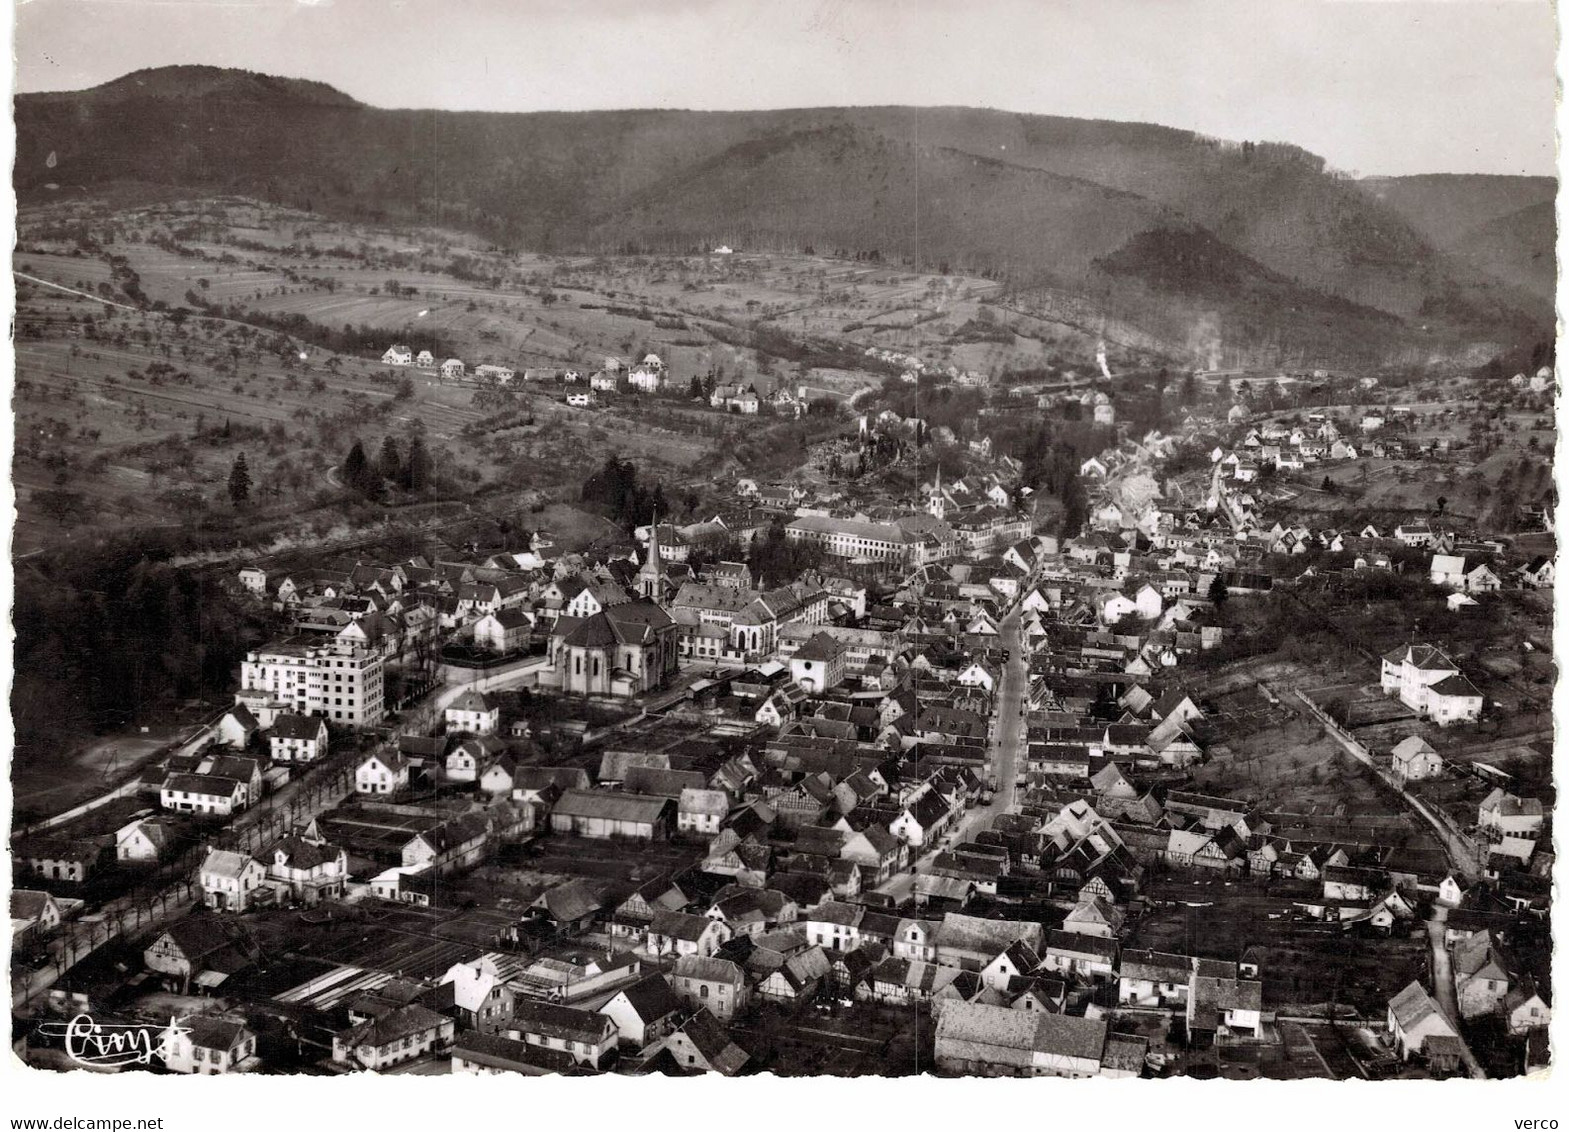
point(651, 576)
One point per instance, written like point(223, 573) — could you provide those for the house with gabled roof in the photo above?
point(206, 1044)
point(1430, 684)
point(978, 1039)
point(589, 1037)
point(1414, 759)
point(701, 811)
point(473, 713)
point(1482, 975)
point(1088, 956)
point(381, 772)
point(232, 881)
point(797, 977)
point(1447, 570)
point(200, 951)
point(644, 1012)
point(1525, 1008)
point(1414, 1021)
point(1505, 815)
point(603, 814)
point(295, 738)
point(681, 933)
point(1539, 573)
point(144, 840)
point(711, 983)
point(701, 1044)
point(1153, 978)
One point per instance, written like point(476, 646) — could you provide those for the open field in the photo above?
point(133, 417)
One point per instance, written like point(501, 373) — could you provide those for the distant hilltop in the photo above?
point(1161, 228)
point(194, 82)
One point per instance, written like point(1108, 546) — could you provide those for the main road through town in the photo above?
point(1006, 740)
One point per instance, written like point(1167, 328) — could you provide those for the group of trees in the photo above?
point(409, 471)
point(350, 339)
point(102, 637)
point(775, 560)
point(630, 503)
point(1051, 457)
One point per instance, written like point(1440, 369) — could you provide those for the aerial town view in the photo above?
point(875, 591)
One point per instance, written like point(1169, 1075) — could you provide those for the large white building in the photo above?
point(855, 538)
point(1430, 684)
point(335, 680)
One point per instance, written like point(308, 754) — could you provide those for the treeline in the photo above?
point(349, 340)
point(410, 472)
point(810, 353)
point(1523, 359)
point(776, 561)
point(616, 487)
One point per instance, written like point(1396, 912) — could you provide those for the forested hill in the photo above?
point(1501, 225)
point(1067, 203)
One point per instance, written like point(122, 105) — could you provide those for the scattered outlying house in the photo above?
point(1430, 684)
point(1538, 573)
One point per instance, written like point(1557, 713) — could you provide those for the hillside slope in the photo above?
point(1036, 201)
point(1503, 226)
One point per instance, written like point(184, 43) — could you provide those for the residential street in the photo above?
point(1444, 985)
point(1007, 740)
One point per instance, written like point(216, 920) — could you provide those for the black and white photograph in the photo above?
point(879, 539)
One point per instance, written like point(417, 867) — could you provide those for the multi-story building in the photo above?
point(1430, 684)
point(856, 538)
point(335, 680)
